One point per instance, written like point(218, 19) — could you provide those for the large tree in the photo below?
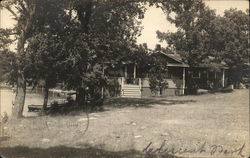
point(24, 12)
point(103, 31)
point(33, 18)
point(193, 37)
point(97, 31)
point(204, 39)
point(44, 54)
point(232, 41)
point(43, 62)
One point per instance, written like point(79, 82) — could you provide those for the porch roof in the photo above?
point(177, 65)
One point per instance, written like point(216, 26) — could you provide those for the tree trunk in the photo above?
point(80, 96)
point(21, 83)
point(25, 28)
point(84, 11)
point(45, 100)
point(20, 97)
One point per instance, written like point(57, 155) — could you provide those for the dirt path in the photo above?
point(210, 125)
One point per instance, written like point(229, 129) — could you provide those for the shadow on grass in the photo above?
point(214, 91)
point(66, 152)
point(72, 110)
point(68, 109)
point(142, 102)
point(221, 91)
point(211, 91)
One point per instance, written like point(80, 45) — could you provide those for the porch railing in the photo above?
point(133, 81)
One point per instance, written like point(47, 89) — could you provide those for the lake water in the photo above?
point(7, 97)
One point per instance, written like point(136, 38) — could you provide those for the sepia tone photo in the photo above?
point(124, 78)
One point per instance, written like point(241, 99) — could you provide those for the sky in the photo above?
point(154, 20)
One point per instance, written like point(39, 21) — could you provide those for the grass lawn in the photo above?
point(209, 125)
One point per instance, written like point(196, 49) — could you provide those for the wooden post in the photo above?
point(134, 70)
point(140, 86)
point(183, 78)
point(207, 77)
point(0, 15)
point(215, 80)
point(1, 118)
point(102, 86)
point(126, 71)
point(0, 103)
point(208, 82)
point(122, 81)
point(223, 78)
point(1, 123)
point(102, 92)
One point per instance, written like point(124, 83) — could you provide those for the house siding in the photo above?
point(146, 92)
point(174, 88)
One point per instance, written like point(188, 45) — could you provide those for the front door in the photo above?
point(130, 71)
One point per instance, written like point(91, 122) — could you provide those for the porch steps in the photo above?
point(131, 91)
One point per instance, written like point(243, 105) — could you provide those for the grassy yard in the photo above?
point(209, 125)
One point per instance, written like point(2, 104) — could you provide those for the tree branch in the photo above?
point(23, 7)
point(117, 5)
point(11, 11)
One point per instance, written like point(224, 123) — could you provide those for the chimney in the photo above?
point(158, 47)
point(145, 45)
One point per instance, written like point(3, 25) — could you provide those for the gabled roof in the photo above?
point(176, 58)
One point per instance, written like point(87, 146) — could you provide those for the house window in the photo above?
point(196, 74)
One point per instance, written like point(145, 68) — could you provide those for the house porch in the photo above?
point(133, 82)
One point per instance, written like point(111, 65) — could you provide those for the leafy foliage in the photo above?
point(7, 58)
point(33, 26)
point(193, 40)
point(101, 31)
point(233, 36)
point(206, 40)
point(43, 58)
point(158, 73)
point(7, 66)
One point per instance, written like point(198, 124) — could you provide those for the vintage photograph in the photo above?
point(124, 78)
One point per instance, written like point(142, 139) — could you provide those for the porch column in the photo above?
point(207, 76)
point(102, 86)
point(126, 71)
point(122, 82)
point(134, 70)
point(183, 81)
point(223, 78)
